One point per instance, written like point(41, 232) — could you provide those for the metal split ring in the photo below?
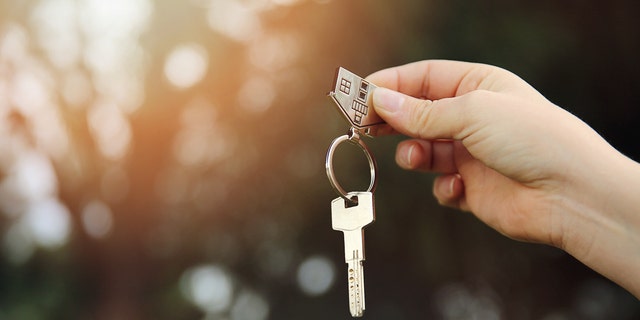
point(354, 138)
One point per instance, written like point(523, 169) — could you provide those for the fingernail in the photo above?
point(387, 100)
point(409, 153)
point(451, 184)
point(404, 156)
point(446, 185)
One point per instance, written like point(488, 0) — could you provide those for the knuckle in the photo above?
point(477, 97)
point(420, 117)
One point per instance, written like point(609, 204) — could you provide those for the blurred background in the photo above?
point(164, 159)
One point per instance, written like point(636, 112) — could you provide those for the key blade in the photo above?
point(350, 219)
point(354, 245)
point(355, 276)
point(354, 98)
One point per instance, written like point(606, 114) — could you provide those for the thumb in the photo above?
point(426, 119)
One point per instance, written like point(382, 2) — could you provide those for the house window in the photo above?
point(362, 95)
point(345, 86)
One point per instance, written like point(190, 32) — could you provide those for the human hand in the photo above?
point(522, 165)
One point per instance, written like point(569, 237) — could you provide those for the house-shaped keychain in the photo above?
point(353, 95)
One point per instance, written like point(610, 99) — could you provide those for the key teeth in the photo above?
point(355, 277)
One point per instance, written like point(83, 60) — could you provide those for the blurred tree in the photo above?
point(163, 159)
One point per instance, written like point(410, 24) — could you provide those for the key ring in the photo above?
point(354, 138)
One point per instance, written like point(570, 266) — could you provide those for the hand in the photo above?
point(522, 165)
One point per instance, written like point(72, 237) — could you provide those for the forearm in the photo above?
point(604, 221)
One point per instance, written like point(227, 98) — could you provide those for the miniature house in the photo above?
point(352, 94)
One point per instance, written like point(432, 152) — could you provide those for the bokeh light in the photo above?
point(49, 223)
point(186, 65)
point(97, 219)
point(455, 301)
point(256, 95)
point(208, 287)
point(316, 275)
point(250, 306)
point(110, 129)
point(237, 20)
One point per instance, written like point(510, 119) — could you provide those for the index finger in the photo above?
point(437, 79)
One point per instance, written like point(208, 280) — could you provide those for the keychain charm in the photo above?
point(352, 211)
point(354, 98)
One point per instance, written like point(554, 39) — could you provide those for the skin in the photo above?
point(521, 164)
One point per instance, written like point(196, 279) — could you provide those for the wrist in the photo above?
point(602, 219)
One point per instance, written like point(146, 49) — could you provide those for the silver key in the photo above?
point(350, 219)
point(353, 96)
